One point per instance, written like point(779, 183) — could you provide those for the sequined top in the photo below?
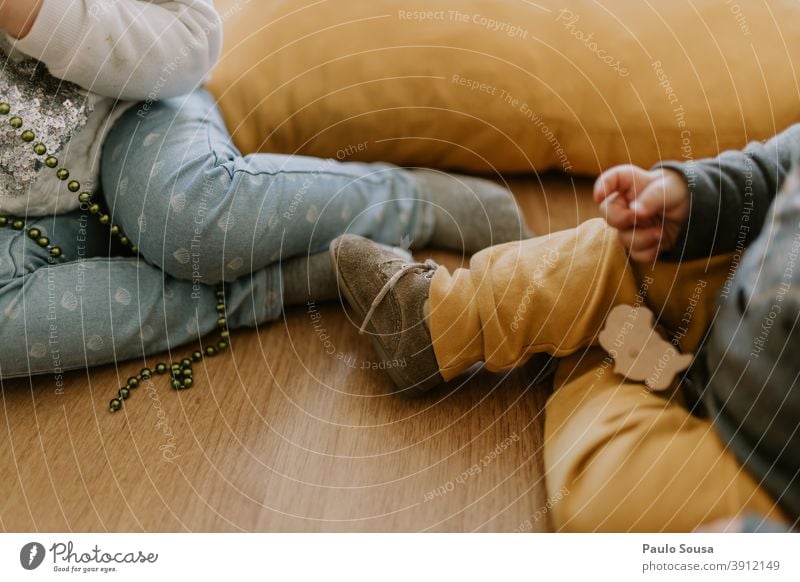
point(125, 51)
point(58, 113)
point(54, 110)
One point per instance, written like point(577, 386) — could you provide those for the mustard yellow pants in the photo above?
point(617, 456)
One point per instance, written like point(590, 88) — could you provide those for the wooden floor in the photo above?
point(281, 436)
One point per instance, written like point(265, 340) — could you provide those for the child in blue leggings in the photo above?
point(175, 190)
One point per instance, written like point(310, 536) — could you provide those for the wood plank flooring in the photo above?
point(279, 435)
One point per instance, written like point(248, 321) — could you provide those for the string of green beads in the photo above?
point(74, 186)
point(34, 233)
point(182, 374)
point(62, 174)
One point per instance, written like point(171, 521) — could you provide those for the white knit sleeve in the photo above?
point(127, 49)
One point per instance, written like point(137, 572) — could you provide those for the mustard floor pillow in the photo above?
point(511, 86)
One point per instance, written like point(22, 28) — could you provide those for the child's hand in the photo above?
point(17, 16)
point(649, 208)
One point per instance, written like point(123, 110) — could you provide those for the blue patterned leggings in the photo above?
point(200, 213)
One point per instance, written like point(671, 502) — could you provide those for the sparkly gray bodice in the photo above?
point(54, 109)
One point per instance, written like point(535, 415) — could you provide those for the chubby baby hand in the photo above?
point(17, 16)
point(648, 207)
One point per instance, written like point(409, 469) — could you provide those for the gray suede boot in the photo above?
point(389, 296)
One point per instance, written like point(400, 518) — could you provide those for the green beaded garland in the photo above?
point(181, 373)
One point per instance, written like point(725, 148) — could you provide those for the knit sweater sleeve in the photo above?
point(731, 194)
point(127, 49)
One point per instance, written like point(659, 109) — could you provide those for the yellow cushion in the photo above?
point(513, 86)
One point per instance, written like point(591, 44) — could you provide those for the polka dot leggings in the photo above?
point(201, 214)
